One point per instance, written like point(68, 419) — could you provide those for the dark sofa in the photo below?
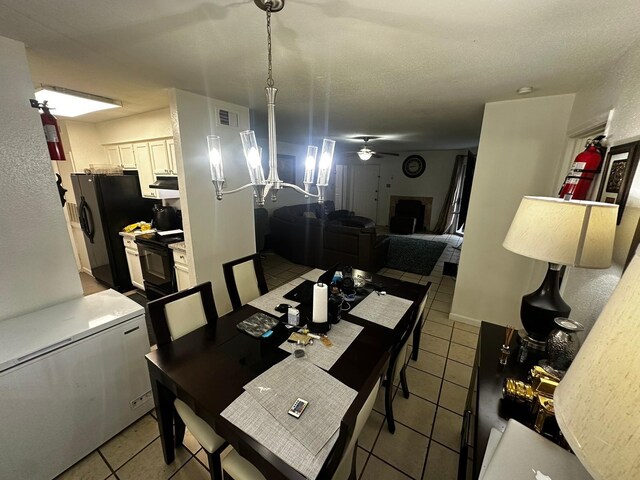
point(315, 235)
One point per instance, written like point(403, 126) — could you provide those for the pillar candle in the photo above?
point(320, 301)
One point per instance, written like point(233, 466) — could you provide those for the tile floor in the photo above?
point(428, 424)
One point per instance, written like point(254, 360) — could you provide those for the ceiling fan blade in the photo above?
point(389, 154)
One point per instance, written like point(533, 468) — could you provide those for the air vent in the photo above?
point(227, 118)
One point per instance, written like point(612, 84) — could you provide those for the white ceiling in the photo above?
point(415, 71)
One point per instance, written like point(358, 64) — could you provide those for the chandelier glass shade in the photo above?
point(253, 154)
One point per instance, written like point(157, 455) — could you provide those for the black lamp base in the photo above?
point(539, 309)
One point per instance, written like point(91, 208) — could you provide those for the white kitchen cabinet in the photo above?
point(182, 277)
point(171, 148)
point(133, 261)
point(160, 158)
point(113, 154)
point(181, 268)
point(145, 169)
point(127, 158)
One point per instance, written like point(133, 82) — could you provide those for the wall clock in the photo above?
point(414, 166)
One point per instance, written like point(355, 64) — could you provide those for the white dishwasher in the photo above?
point(71, 376)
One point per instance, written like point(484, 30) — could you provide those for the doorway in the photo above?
point(364, 180)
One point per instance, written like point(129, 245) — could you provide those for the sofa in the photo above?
point(316, 236)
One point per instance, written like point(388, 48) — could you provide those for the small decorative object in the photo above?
point(61, 190)
point(414, 166)
point(538, 394)
point(505, 350)
point(562, 346)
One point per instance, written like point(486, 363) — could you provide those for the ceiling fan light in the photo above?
point(365, 154)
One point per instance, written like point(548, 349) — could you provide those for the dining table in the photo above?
point(209, 367)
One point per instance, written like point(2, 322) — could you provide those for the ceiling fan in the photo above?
point(365, 153)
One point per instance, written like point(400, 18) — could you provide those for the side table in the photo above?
point(484, 409)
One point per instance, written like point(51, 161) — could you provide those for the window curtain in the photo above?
point(448, 219)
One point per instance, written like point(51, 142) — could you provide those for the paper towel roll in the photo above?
point(320, 301)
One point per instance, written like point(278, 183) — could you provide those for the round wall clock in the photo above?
point(414, 166)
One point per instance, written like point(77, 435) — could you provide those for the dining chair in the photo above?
point(245, 280)
point(172, 317)
point(399, 354)
point(240, 468)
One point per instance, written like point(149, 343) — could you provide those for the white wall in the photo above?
point(215, 231)
point(145, 126)
point(82, 144)
point(521, 149)
point(587, 291)
point(434, 182)
point(38, 267)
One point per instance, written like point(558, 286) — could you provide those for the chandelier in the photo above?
point(253, 154)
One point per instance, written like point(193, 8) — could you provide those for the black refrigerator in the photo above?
point(106, 204)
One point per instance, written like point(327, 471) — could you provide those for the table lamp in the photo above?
point(596, 403)
point(561, 232)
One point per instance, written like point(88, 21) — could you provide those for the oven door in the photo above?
point(157, 266)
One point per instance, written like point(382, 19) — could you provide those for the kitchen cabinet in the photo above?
point(161, 159)
point(171, 148)
point(113, 154)
point(127, 158)
point(145, 169)
point(133, 261)
point(181, 268)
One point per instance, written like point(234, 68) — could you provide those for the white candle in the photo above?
point(320, 301)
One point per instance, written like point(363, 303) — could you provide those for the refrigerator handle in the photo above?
point(86, 219)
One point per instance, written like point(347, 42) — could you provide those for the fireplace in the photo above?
point(423, 222)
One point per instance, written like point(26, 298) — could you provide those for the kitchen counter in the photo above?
point(135, 233)
point(178, 246)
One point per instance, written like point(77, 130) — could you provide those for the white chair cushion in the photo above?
point(239, 468)
point(203, 433)
point(185, 315)
point(246, 281)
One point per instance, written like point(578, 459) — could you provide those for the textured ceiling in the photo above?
point(416, 72)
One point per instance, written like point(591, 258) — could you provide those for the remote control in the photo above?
point(298, 407)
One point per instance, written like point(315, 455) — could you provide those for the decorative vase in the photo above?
point(563, 344)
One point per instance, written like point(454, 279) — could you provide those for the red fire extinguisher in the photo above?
point(583, 170)
point(51, 131)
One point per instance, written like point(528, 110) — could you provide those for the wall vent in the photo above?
point(227, 118)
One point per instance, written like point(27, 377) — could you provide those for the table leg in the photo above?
point(164, 409)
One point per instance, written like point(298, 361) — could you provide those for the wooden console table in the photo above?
point(484, 409)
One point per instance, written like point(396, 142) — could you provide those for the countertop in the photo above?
point(135, 233)
point(29, 336)
point(178, 246)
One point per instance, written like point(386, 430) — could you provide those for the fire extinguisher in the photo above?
point(51, 131)
point(583, 170)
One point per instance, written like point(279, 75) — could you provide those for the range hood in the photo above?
point(165, 183)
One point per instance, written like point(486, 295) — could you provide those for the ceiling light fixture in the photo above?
point(253, 154)
point(524, 90)
point(69, 103)
point(365, 153)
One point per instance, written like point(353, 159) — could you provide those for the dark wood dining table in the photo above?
point(208, 368)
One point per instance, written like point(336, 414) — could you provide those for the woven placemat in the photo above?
point(385, 310)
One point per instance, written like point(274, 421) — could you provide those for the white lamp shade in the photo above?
point(597, 403)
point(566, 232)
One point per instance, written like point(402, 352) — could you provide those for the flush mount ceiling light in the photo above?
point(524, 90)
point(253, 154)
point(69, 103)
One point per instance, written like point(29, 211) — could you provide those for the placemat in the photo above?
point(257, 324)
point(279, 387)
point(385, 310)
point(313, 275)
point(269, 301)
point(341, 335)
point(248, 415)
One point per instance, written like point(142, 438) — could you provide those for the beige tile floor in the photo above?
point(425, 444)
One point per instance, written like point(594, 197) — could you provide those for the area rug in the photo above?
point(413, 255)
